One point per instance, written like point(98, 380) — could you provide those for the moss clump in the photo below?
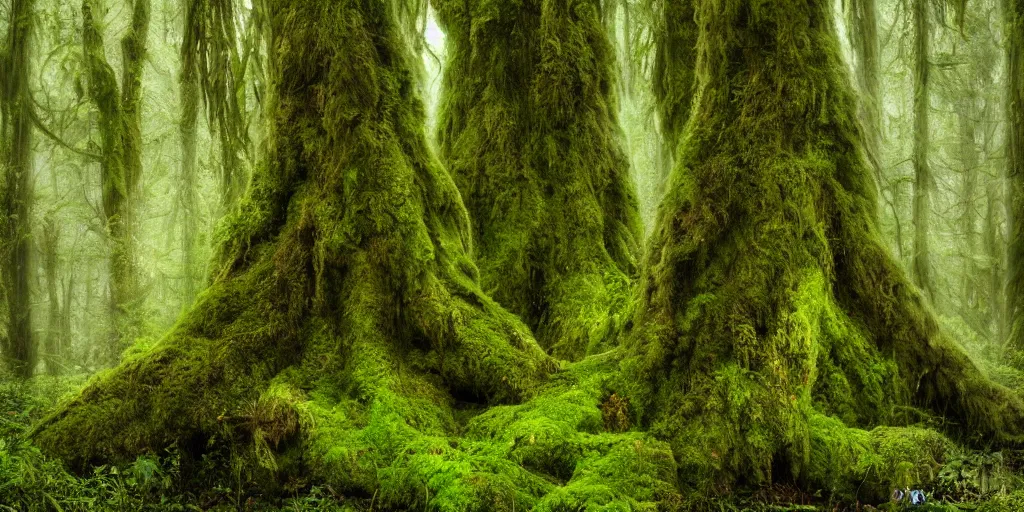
point(528, 128)
point(345, 321)
point(772, 326)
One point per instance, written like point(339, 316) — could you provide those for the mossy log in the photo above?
point(528, 128)
point(772, 322)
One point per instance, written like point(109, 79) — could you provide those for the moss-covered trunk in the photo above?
point(528, 129)
point(1013, 10)
point(345, 319)
point(121, 163)
point(921, 265)
point(675, 75)
point(772, 320)
point(16, 188)
point(187, 207)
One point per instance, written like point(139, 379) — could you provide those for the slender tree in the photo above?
point(121, 163)
point(188, 194)
point(862, 28)
point(528, 128)
point(773, 325)
point(16, 187)
point(1013, 10)
point(921, 264)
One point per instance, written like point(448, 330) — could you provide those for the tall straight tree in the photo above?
point(921, 263)
point(674, 74)
point(1013, 10)
point(188, 193)
point(773, 326)
point(16, 187)
point(528, 128)
point(121, 161)
point(862, 28)
point(345, 289)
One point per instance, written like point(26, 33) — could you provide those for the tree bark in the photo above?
point(16, 147)
point(188, 194)
point(528, 128)
point(121, 164)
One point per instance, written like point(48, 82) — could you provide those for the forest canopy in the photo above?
point(500, 255)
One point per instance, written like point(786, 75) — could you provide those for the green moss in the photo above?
point(528, 128)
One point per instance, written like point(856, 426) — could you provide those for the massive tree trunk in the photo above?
point(528, 127)
point(345, 319)
point(1013, 10)
point(772, 320)
point(16, 188)
point(968, 221)
point(121, 163)
point(921, 263)
point(58, 326)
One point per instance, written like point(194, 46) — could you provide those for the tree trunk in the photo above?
point(57, 332)
point(188, 194)
point(969, 289)
point(16, 191)
point(121, 164)
point(345, 307)
point(921, 265)
point(675, 76)
point(1013, 10)
point(772, 323)
point(995, 254)
point(528, 128)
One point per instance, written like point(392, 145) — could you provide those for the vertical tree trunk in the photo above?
point(675, 75)
point(969, 210)
point(921, 264)
point(187, 194)
point(995, 254)
point(16, 147)
point(862, 21)
point(528, 127)
point(1013, 10)
point(121, 164)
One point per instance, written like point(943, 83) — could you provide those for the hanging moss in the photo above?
point(772, 325)
point(528, 128)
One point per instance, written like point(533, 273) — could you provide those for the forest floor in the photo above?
point(985, 480)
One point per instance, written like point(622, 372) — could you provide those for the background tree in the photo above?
point(16, 191)
point(121, 165)
point(923, 181)
point(535, 149)
point(1013, 10)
